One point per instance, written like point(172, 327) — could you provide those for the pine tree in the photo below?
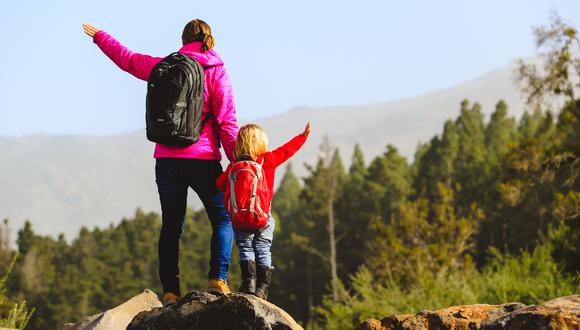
point(529, 126)
point(287, 196)
point(470, 165)
point(315, 238)
point(288, 289)
point(436, 163)
point(388, 182)
point(355, 216)
point(500, 134)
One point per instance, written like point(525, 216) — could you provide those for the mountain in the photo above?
point(64, 182)
point(403, 123)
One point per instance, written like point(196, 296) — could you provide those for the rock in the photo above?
point(120, 316)
point(202, 310)
point(370, 324)
point(457, 317)
point(562, 314)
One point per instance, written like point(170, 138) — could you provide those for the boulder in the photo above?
point(562, 314)
point(370, 324)
point(119, 317)
point(202, 310)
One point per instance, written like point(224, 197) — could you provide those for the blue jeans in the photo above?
point(255, 245)
point(173, 177)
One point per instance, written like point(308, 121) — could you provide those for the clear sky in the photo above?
point(280, 54)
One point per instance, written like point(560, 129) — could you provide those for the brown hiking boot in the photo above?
point(264, 279)
point(248, 277)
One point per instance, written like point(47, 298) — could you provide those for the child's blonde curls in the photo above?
point(251, 142)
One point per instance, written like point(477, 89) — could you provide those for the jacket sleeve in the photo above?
point(224, 110)
point(222, 179)
point(138, 65)
point(283, 153)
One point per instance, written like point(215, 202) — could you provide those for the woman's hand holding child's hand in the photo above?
point(90, 30)
point(306, 130)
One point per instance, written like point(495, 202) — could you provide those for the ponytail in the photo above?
point(208, 43)
point(200, 31)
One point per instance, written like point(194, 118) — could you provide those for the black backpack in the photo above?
point(175, 101)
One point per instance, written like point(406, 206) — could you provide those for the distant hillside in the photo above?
point(402, 123)
point(62, 183)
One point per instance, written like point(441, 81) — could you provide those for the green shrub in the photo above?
point(12, 314)
point(529, 278)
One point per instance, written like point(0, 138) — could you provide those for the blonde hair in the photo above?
point(252, 141)
point(198, 30)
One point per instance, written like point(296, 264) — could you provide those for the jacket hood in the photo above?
point(206, 59)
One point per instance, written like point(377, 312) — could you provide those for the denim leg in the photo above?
point(202, 175)
point(263, 243)
point(173, 197)
point(222, 238)
point(245, 240)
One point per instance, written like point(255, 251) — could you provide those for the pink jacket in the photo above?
point(218, 97)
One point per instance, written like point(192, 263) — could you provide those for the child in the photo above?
point(254, 245)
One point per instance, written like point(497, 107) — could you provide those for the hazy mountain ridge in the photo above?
point(402, 123)
point(64, 182)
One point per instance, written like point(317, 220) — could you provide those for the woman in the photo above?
point(196, 166)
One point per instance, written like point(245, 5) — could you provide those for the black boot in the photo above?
point(264, 278)
point(248, 277)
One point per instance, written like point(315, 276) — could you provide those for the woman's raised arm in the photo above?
point(139, 65)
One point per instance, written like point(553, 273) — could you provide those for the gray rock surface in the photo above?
point(557, 314)
point(119, 317)
point(561, 313)
point(202, 310)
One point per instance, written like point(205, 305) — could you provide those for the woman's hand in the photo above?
point(306, 130)
point(90, 30)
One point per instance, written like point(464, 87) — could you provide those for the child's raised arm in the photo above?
point(139, 65)
point(283, 153)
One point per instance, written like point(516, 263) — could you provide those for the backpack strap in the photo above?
point(254, 201)
point(232, 180)
point(260, 160)
point(209, 115)
point(260, 174)
point(254, 189)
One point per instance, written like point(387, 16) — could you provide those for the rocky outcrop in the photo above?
point(119, 317)
point(561, 314)
point(202, 310)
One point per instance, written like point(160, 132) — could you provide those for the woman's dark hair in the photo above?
point(198, 30)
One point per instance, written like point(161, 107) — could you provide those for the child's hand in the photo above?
point(90, 30)
point(306, 130)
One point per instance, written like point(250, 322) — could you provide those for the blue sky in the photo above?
point(280, 54)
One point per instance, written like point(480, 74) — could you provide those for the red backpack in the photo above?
point(247, 196)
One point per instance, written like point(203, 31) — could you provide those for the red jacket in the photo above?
point(272, 159)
